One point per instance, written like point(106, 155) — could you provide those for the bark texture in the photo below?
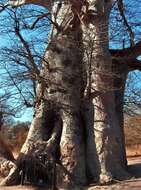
point(105, 139)
point(64, 55)
point(77, 120)
point(57, 117)
point(121, 72)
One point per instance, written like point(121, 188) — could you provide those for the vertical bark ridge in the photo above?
point(66, 93)
point(121, 72)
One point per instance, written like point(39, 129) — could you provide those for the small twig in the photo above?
point(3, 7)
point(121, 10)
point(38, 19)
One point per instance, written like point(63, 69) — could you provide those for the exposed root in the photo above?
point(35, 166)
point(12, 178)
point(105, 178)
point(5, 167)
point(119, 175)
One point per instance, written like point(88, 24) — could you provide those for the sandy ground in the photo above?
point(133, 184)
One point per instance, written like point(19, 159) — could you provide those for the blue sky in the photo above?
point(26, 116)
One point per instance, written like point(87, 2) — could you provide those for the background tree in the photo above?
point(21, 55)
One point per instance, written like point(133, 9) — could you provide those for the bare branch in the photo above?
point(19, 90)
point(38, 19)
point(27, 48)
point(3, 7)
point(121, 10)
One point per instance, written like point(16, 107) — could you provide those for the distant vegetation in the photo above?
point(15, 135)
point(133, 135)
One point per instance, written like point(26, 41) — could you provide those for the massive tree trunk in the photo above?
point(65, 55)
point(57, 117)
point(104, 133)
point(64, 112)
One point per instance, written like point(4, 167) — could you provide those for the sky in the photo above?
point(26, 116)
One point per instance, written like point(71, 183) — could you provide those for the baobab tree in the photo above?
point(76, 107)
point(66, 90)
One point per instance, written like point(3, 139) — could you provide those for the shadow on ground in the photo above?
point(135, 170)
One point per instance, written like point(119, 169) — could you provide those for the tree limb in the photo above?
point(3, 7)
point(17, 3)
point(133, 64)
point(27, 48)
point(127, 53)
point(38, 19)
point(28, 104)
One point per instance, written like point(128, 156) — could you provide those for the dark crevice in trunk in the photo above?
point(121, 72)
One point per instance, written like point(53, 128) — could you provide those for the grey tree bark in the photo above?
point(59, 98)
point(105, 139)
point(71, 102)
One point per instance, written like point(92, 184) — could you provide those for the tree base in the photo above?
point(105, 178)
point(12, 179)
point(118, 175)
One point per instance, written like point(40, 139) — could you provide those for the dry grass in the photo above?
point(133, 136)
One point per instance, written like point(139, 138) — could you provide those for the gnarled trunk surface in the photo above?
point(57, 117)
point(105, 143)
point(76, 115)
